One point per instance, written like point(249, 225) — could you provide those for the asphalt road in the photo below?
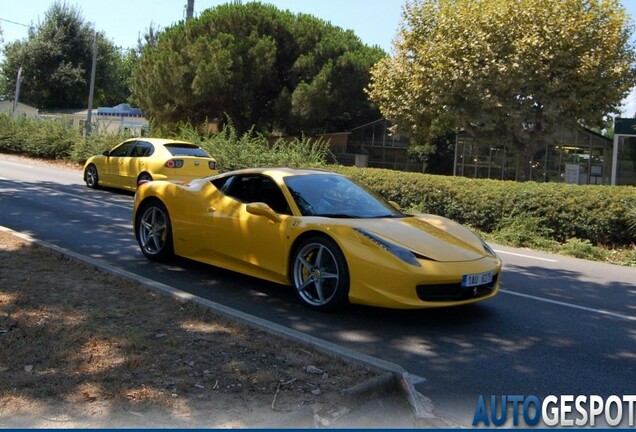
point(560, 326)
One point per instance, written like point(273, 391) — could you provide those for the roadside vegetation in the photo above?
point(590, 222)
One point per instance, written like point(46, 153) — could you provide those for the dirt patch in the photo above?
point(81, 348)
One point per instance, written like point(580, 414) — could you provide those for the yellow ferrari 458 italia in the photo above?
point(145, 159)
point(334, 241)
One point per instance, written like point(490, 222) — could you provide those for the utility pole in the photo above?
point(91, 91)
point(17, 93)
point(189, 9)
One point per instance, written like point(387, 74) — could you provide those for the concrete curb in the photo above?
point(395, 375)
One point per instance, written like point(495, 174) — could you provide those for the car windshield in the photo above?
point(177, 149)
point(338, 197)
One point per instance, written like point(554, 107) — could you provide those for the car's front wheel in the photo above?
point(154, 231)
point(91, 177)
point(320, 274)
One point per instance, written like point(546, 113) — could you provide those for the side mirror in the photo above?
point(106, 153)
point(262, 209)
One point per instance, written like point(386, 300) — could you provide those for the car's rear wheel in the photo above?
point(154, 231)
point(144, 177)
point(320, 274)
point(91, 177)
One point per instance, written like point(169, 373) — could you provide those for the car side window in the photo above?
point(271, 195)
point(123, 150)
point(142, 149)
point(251, 188)
point(219, 183)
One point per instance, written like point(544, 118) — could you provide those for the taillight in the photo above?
point(174, 163)
point(213, 165)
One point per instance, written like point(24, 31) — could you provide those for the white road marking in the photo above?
point(525, 256)
point(573, 306)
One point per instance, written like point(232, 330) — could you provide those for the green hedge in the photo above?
point(600, 214)
point(45, 139)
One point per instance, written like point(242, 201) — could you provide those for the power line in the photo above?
point(16, 23)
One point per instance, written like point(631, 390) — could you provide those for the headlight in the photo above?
point(488, 249)
point(402, 253)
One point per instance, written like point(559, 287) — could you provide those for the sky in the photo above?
point(375, 22)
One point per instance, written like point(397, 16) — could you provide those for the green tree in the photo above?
point(130, 60)
point(56, 63)
point(259, 66)
point(514, 69)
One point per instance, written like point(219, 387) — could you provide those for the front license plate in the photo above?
point(476, 279)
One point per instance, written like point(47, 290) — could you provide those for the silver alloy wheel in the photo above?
point(91, 176)
point(316, 274)
point(153, 230)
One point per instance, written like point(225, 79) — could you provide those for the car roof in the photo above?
point(160, 141)
point(279, 173)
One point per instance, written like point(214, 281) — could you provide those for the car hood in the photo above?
point(434, 237)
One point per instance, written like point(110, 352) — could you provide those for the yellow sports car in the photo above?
point(145, 159)
point(331, 239)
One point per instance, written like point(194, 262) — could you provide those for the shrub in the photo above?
point(254, 150)
point(631, 217)
point(45, 139)
point(582, 249)
point(524, 232)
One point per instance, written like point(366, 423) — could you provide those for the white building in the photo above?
point(121, 118)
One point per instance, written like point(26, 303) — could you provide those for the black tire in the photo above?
point(144, 176)
point(319, 274)
point(154, 231)
point(91, 177)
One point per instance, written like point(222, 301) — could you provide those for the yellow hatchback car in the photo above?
point(146, 159)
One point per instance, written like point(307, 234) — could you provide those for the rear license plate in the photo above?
point(476, 279)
